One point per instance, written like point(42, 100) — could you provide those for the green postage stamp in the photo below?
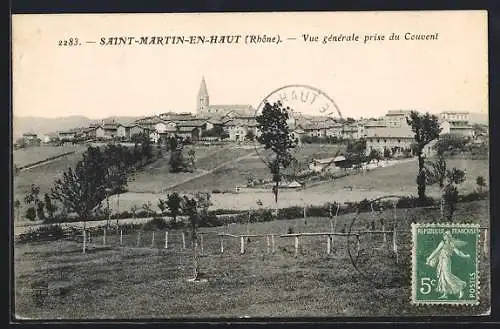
point(445, 267)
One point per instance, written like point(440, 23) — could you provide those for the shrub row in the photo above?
point(220, 217)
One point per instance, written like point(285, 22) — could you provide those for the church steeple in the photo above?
point(203, 99)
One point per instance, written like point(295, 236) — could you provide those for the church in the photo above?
point(205, 109)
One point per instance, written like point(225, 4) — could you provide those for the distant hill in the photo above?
point(42, 125)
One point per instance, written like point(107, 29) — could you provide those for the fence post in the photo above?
point(183, 240)
point(296, 245)
point(201, 243)
point(104, 237)
point(153, 240)
point(357, 245)
point(272, 243)
point(394, 240)
point(385, 236)
point(121, 237)
point(242, 245)
point(268, 244)
point(485, 242)
point(166, 239)
point(84, 240)
point(395, 244)
point(328, 244)
point(221, 239)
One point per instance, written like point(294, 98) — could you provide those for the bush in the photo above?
point(157, 223)
point(290, 212)
point(43, 233)
point(412, 202)
point(474, 196)
point(31, 213)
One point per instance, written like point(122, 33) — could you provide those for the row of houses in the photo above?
point(390, 131)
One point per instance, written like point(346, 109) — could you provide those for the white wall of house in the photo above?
point(381, 143)
point(136, 130)
point(236, 133)
point(445, 127)
point(99, 133)
point(122, 132)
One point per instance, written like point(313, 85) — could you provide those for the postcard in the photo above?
point(250, 165)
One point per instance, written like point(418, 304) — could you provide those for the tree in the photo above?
point(40, 210)
point(146, 150)
point(133, 209)
point(195, 208)
point(277, 137)
point(176, 161)
point(31, 213)
point(162, 205)
point(436, 174)
point(189, 208)
point(387, 153)
point(174, 202)
point(449, 142)
point(375, 155)
point(148, 207)
point(203, 202)
point(454, 177)
point(17, 206)
point(32, 197)
point(49, 206)
point(115, 167)
point(192, 157)
point(78, 190)
point(250, 136)
point(426, 129)
point(481, 183)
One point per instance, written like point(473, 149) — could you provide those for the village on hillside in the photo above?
point(236, 123)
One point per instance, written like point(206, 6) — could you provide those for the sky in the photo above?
point(365, 80)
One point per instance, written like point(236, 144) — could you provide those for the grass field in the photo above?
point(398, 179)
point(401, 178)
point(127, 283)
point(26, 156)
point(229, 171)
point(43, 175)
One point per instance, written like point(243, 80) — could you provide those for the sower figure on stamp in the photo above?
point(448, 283)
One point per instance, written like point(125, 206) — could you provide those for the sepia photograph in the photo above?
point(250, 165)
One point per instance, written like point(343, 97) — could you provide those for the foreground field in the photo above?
point(130, 283)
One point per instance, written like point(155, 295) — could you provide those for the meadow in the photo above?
point(112, 282)
point(43, 175)
point(29, 155)
point(398, 179)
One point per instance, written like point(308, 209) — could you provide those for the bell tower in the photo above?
point(203, 99)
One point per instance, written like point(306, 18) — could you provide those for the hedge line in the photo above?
point(218, 218)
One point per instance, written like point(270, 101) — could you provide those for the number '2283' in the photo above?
point(69, 42)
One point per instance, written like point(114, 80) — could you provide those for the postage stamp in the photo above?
point(445, 267)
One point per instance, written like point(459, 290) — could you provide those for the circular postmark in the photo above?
point(377, 240)
point(310, 113)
